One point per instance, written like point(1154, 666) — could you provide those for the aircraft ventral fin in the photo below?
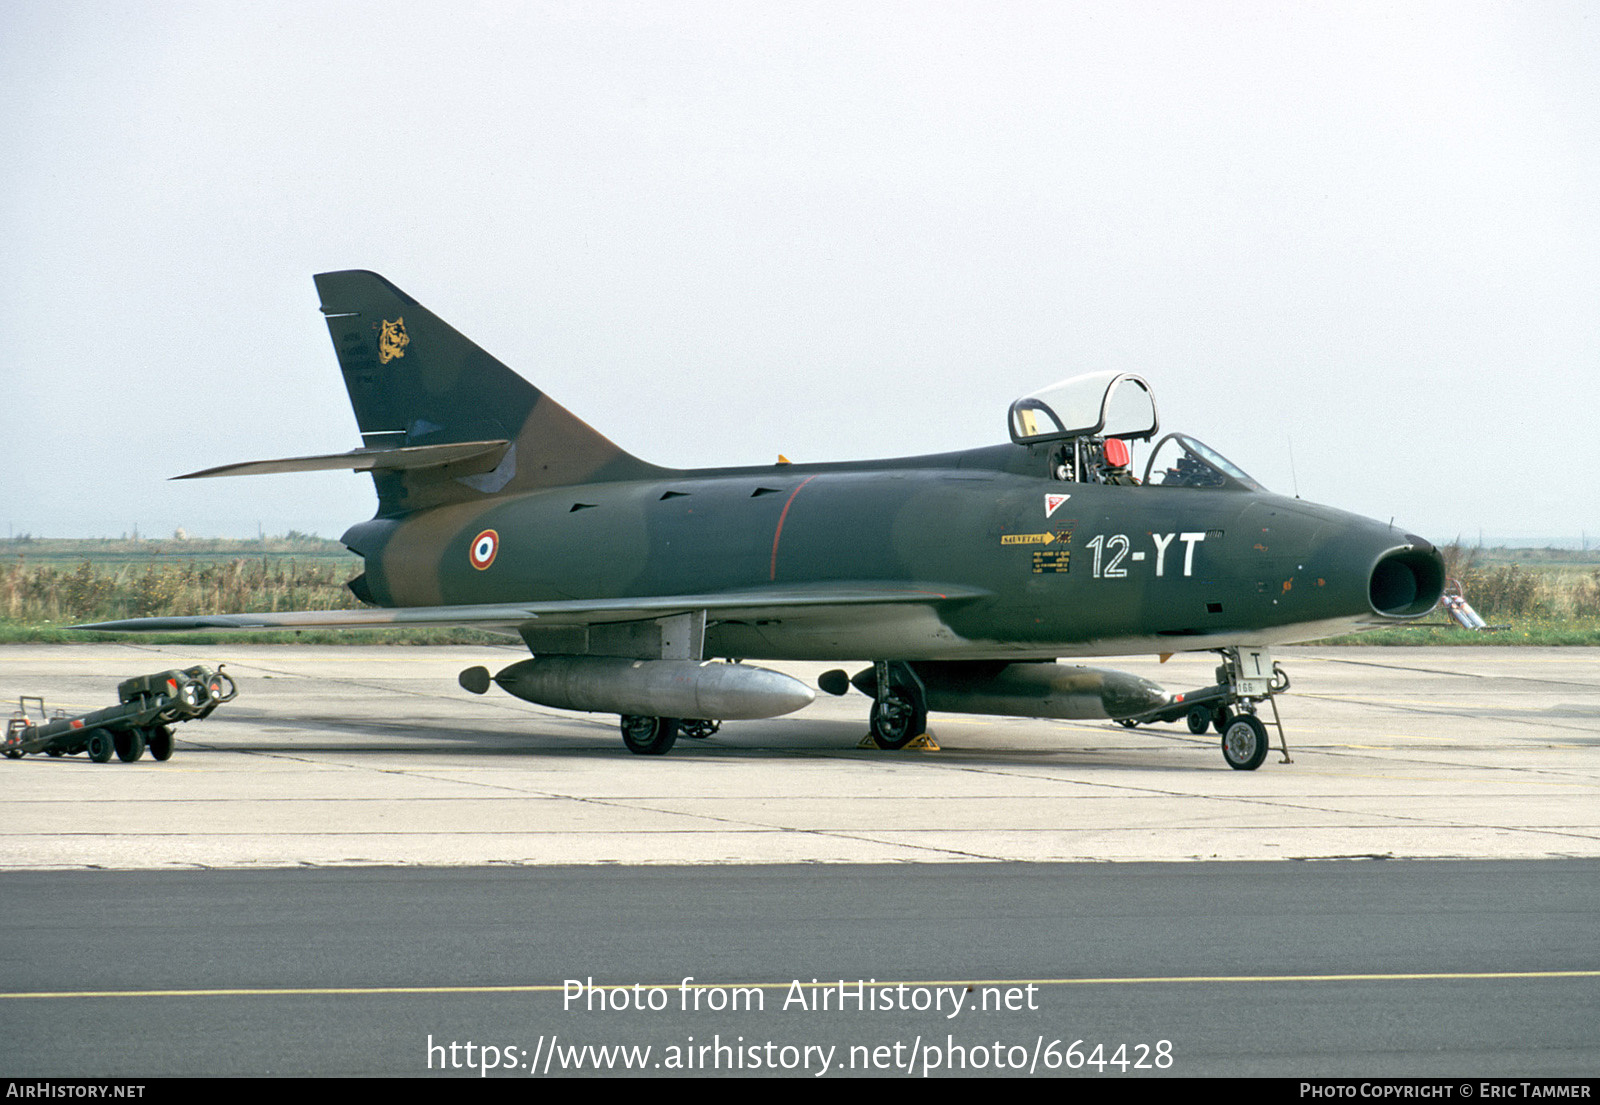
point(769, 602)
point(473, 457)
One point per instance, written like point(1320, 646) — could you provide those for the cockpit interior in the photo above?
point(1089, 423)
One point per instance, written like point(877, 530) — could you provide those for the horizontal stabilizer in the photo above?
point(768, 602)
point(469, 457)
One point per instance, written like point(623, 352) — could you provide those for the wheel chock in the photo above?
point(924, 743)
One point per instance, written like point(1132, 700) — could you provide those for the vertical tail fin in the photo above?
point(415, 380)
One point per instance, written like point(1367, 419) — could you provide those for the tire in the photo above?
point(1199, 719)
point(897, 721)
point(1220, 718)
point(159, 740)
point(130, 744)
point(649, 736)
point(1244, 742)
point(698, 730)
point(101, 746)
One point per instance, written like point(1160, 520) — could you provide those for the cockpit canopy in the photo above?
point(1183, 461)
point(1101, 404)
point(1093, 417)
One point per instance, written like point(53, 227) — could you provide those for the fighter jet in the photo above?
point(959, 578)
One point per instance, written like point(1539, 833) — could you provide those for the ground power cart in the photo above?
point(147, 707)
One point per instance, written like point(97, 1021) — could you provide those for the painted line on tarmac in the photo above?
point(360, 991)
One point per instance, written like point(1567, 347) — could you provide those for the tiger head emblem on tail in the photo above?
point(392, 341)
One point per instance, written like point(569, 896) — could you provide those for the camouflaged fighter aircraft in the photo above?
point(962, 577)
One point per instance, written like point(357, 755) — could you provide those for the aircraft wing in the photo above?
point(762, 602)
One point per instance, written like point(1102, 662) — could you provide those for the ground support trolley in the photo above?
point(147, 707)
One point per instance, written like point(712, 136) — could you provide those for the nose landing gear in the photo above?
point(1245, 678)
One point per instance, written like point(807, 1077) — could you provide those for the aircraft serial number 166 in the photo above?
point(498, 508)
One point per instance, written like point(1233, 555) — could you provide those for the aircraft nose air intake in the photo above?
point(1407, 582)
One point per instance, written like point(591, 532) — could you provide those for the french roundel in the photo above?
point(484, 547)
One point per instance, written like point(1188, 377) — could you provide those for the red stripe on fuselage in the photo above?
point(778, 533)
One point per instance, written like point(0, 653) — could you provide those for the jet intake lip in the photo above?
point(1406, 582)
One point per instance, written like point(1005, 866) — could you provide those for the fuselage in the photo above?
point(1067, 568)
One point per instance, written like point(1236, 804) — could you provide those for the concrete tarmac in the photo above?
point(357, 868)
point(337, 756)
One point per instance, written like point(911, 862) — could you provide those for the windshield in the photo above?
point(1182, 461)
point(1109, 404)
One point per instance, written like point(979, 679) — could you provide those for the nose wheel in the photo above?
point(1245, 742)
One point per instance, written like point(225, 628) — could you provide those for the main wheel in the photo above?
point(649, 736)
point(159, 740)
point(1244, 742)
point(101, 746)
point(1199, 719)
point(897, 720)
point(130, 744)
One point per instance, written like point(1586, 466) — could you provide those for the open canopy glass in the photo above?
point(1101, 404)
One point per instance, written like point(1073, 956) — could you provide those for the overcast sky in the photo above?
point(1366, 236)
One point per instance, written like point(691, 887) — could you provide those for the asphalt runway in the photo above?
point(421, 865)
point(1359, 969)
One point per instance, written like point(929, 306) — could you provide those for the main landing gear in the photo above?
point(899, 712)
point(649, 736)
point(900, 706)
point(655, 736)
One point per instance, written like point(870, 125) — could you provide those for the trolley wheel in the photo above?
point(159, 740)
point(1199, 719)
point(101, 746)
point(129, 744)
point(1244, 743)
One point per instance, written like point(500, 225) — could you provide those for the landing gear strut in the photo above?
point(1247, 676)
